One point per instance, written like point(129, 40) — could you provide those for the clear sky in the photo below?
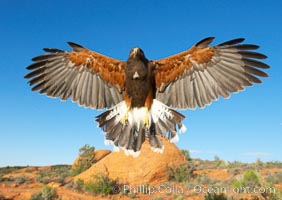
point(37, 130)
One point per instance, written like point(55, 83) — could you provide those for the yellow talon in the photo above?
point(125, 117)
point(146, 119)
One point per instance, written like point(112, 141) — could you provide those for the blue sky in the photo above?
point(36, 130)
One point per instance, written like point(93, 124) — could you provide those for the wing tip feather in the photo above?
point(76, 47)
point(204, 42)
point(232, 42)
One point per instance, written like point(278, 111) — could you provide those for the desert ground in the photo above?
point(171, 175)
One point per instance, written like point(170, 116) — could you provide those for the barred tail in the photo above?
point(127, 136)
point(168, 122)
point(130, 136)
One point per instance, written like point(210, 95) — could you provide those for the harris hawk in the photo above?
point(141, 95)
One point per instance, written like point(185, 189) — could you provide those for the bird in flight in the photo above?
point(141, 95)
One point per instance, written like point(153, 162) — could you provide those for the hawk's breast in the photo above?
point(137, 85)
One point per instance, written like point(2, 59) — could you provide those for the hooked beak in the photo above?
point(134, 52)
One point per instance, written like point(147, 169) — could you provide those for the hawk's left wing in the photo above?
point(195, 77)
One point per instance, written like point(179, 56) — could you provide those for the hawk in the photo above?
point(141, 95)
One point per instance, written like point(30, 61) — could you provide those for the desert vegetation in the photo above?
point(46, 193)
point(57, 173)
point(101, 184)
point(85, 160)
point(212, 176)
point(243, 177)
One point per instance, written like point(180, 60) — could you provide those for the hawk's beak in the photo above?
point(134, 52)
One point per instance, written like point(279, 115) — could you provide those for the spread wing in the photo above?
point(201, 74)
point(88, 78)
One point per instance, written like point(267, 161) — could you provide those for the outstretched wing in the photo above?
point(201, 74)
point(88, 78)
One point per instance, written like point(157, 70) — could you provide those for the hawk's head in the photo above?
point(137, 53)
point(136, 64)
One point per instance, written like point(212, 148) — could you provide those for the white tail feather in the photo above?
point(183, 129)
point(160, 111)
point(118, 111)
point(174, 139)
point(164, 119)
point(108, 142)
point(116, 148)
point(158, 150)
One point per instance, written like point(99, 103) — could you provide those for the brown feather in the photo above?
point(89, 78)
point(208, 72)
point(173, 67)
point(110, 70)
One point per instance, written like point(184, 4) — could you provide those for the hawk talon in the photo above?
point(146, 124)
point(124, 119)
point(146, 120)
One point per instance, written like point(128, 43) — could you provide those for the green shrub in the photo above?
point(36, 196)
point(218, 163)
point(157, 198)
point(252, 198)
point(101, 185)
point(259, 164)
point(237, 184)
point(47, 193)
point(215, 196)
point(85, 160)
point(8, 169)
point(22, 179)
point(249, 181)
point(131, 195)
point(204, 179)
point(186, 154)
point(78, 185)
point(240, 165)
point(75, 171)
point(275, 164)
point(178, 197)
point(209, 164)
point(181, 173)
point(29, 170)
point(271, 193)
point(56, 174)
point(9, 179)
point(275, 178)
point(274, 196)
point(234, 171)
point(43, 179)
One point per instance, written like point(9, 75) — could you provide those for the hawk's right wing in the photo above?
point(88, 78)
